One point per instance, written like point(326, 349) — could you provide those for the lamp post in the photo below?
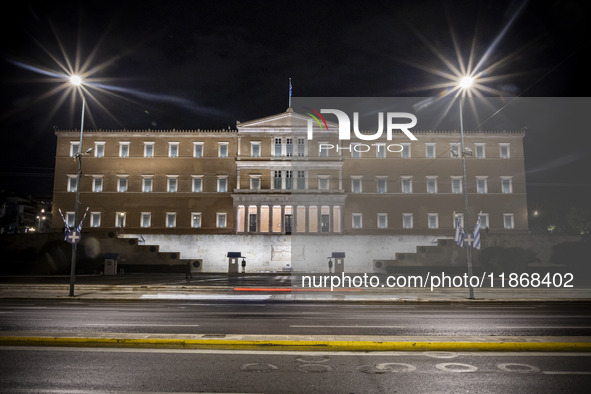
point(465, 84)
point(77, 82)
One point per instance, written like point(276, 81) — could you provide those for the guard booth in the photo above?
point(111, 262)
point(233, 262)
point(338, 259)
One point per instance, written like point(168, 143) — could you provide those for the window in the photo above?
point(433, 220)
point(99, 149)
point(323, 182)
point(483, 217)
point(480, 150)
point(222, 184)
point(147, 184)
point(197, 184)
point(504, 150)
point(197, 149)
point(288, 180)
point(407, 221)
point(148, 149)
point(301, 182)
point(277, 183)
point(289, 147)
point(277, 150)
point(356, 184)
point(72, 183)
point(381, 185)
point(146, 219)
point(481, 185)
point(120, 219)
point(122, 184)
point(430, 150)
point(456, 184)
point(454, 150)
point(405, 154)
point(97, 184)
point(170, 219)
point(380, 151)
point(355, 151)
point(172, 183)
point(407, 185)
point(382, 220)
point(507, 184)
point(196, 219)
point(70, 219)
point(220, 220)
point(222, 149)
point(508, 221)
point(301, 147)
point(255, 149)
point(74, 148)
point(357, 220)
point(124, 149)
point(255, 182)
point(95, 219)
point(173, 149)
point(457, 216)
point(432, 184)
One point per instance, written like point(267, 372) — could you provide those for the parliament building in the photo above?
point(284, 201)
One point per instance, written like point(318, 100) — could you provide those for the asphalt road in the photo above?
point(82, 370)
point(186, 317)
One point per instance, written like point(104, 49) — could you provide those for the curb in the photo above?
point(300, 345)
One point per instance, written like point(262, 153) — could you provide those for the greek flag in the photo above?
point(476, 234)
point(459, 238)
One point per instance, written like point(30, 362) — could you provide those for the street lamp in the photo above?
point(465, 84)
point(76, 81)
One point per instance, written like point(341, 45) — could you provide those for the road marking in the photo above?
point(543, 327)
point(396, 367)
point(142, 324)
point(566, 373)
point(519, 368)
point(456, 367)
point(204, 297)
point(321, 326)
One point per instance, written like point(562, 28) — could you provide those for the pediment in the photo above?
point(285, 120)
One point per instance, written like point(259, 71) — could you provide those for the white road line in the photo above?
point(566, 373)
point(290, 353)
point(321, 326)
point(543, 327)
point(142, 324)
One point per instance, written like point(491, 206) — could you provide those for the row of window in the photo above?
point(283, 180)
point(285, 147)
point(173, 149)
point(146, 219)
point(221, 220)
point(432, 220)
point(432, 184)
point(148, 183)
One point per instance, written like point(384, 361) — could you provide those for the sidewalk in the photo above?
point(325, 343)
point(151, 292)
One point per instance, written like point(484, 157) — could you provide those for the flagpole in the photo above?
point(289, 93)
point(77, 203)
point(466, 210)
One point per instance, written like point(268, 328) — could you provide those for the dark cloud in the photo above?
point(206, 64)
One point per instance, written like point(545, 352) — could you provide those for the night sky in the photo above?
point(207, 64)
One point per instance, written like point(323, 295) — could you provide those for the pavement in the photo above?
point(248, 288)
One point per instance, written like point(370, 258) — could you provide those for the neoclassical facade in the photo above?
point(267, 183)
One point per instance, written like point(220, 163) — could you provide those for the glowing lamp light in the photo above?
point(75, 80)
point(466, 82)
